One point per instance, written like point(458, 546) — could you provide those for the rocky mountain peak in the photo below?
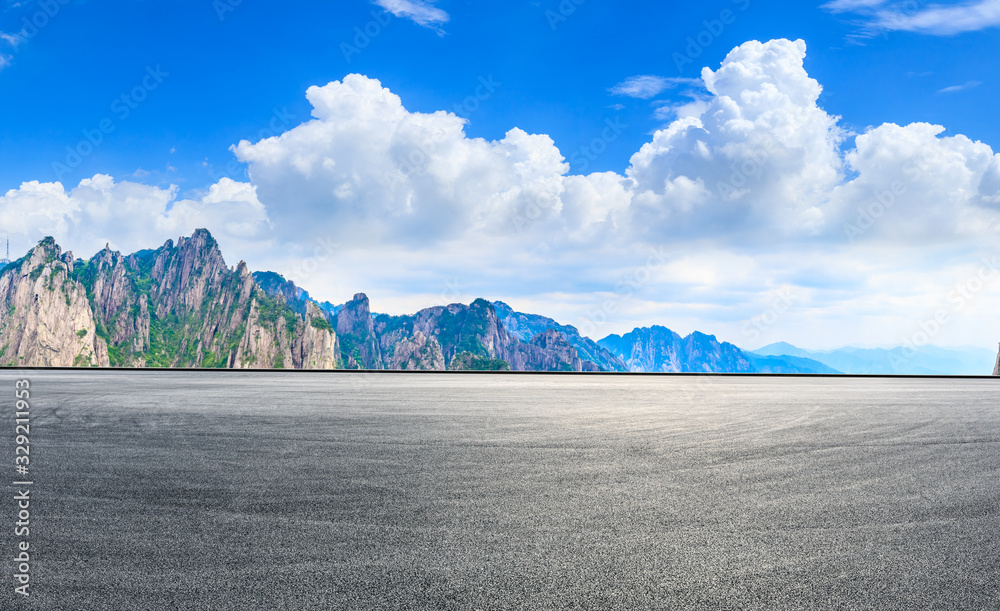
point(45, 317)
point(48, 244)
point(200, 246)
point(526, 326)
point(659, 349)
point(358, 339)
point(176, 306)
point(242, 270)
point(181, 306)
point(355, 312)
point(274, 284)
point(43, 253)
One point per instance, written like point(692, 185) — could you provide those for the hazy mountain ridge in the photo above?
point(787, 364)
point(922, 360)
point(658, 349)
point(181, 306)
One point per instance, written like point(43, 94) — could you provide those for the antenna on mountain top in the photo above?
point(6, 258)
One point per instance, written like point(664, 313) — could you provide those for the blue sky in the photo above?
point(228, 75)
point(598, 78)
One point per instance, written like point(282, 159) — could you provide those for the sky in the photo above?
point(823, 173)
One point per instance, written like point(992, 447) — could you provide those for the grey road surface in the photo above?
point(200, 490)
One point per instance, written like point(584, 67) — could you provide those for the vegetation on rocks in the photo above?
point(175, 306)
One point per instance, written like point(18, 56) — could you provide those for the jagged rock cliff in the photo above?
point(180, 305)
point(176, 306)
point(453, 337)
point(274, 284)
point(556, 352)
point(659, 349)
point(996, 368)
point(527, 326)
point(317, 346)
point(472, 336)
point(416, 352)
point(122, 313)
point(433, 338)
point(360, 347)
point(45, 317)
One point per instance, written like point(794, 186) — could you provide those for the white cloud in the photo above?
point(694, 108)
point(745, 191)
point(934, 19)
point(14, 40)
point(130, 216)
point(943, 20)
point(421, 12)
point(746, 183)
point(964, 86)
point(922, 188)
point(372, 171)
point(760, 154)
point(841, 6)
point(648, 86)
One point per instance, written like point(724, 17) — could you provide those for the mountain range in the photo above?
point(181, 306)
point(914, 360)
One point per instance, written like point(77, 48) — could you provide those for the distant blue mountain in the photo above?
point(658, 349)
point(331, 309)
point(787, 364)
point(925, 360)
point(781, 348)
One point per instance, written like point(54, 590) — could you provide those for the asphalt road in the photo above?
point(246, 491)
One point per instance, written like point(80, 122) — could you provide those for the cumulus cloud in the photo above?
point(759, 155)
point(758, 160)
point(366, 169)
point(130, 216)
point(913, 186)
point(421, 12)
point(745, 191)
